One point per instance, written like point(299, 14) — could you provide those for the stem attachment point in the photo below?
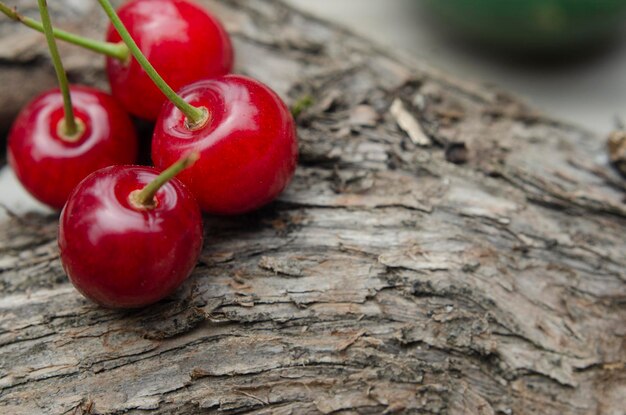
point(134, 198)
point(144, 199)
point(201, 122)
point(70, 136)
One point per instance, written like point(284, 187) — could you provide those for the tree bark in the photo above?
point(441, 249)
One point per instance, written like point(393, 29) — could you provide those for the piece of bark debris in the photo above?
point(457, 153)
point(448, 116)
point(363, 116)
point(198, 373)
point(617, 150)
point(280, 266)
point(349, 342)
point(328, 102)
point(409, 124)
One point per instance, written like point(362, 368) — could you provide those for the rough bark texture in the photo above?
point(469, 262)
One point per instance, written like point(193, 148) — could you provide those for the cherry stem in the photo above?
point(144, 198)
point(70, 126)
point(117, 50)
point(195, 116)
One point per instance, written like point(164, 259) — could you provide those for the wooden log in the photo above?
point(459, 253)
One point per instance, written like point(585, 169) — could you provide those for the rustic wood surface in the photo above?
point(442, 249)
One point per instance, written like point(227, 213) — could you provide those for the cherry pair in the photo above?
point(244, 132)
point(248, 143)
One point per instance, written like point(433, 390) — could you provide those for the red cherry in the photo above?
point(49, 165)
point(183, 42)
point(122, 255)
point(248, 147)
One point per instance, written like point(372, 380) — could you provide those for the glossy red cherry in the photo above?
point(50, 165)
point(248, 147)
point(122, 255)
point(183, 42)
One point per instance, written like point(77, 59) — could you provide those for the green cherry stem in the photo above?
point(196, 117)
point(144, 198)
point(70, 129)
point(117, 51)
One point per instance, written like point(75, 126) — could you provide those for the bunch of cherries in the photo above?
point(129, 235)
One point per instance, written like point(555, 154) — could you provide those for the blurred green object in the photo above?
point(532, 24)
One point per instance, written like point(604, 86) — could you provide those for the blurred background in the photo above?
point(565, 57)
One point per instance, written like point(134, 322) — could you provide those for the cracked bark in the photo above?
point(386, 279)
